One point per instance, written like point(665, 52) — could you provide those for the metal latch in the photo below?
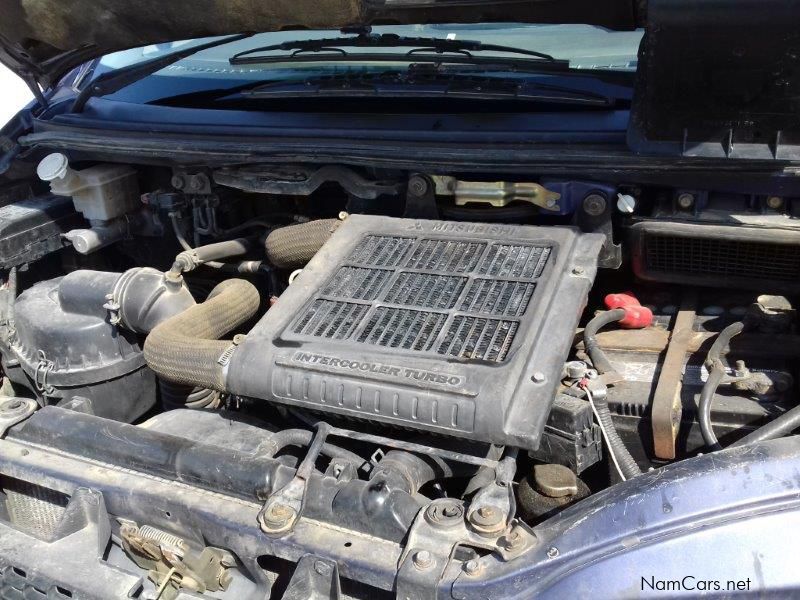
point(172, 564)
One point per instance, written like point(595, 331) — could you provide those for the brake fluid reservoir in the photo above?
point(100, 193)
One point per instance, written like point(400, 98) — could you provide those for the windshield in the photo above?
point(584, 46)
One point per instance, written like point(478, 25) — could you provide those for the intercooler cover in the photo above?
point(453, 328)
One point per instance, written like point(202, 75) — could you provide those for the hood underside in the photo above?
point(42, 39)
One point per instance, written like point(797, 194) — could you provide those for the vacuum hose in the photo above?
point(623, 458)
point(186, 348)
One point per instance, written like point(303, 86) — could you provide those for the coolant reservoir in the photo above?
point(101, 193)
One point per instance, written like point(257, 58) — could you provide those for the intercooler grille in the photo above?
point(721, 258)
point(450, 297)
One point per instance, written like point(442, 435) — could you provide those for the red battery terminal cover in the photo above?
point(636, 315)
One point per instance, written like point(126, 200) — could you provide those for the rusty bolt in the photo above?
point(515, 539)
point(278, 516)
point(487, 519)
point(422, 559)
point(472, 567)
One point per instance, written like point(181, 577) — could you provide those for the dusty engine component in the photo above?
point(32, 228)
point(66, 342)
point(65, 355)
point(447, 327)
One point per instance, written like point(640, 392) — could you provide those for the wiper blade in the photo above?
point(113, 81)
point(395, 85)
point(421, 48)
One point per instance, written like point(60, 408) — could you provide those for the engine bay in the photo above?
point(382, 380)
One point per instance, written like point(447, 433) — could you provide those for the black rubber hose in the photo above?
point(294, 245)
point(186, 349)
point(716, 373)
point(592, 348)
point(303, 437)
point(715, 377)
point(627, 463)
point(778, 427)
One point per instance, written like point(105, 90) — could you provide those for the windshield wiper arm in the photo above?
point(115, 80)
point(465, 48)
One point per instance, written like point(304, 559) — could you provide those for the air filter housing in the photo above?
point(456, 328)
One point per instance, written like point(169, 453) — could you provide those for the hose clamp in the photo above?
point(43, 367)
point(225, 358)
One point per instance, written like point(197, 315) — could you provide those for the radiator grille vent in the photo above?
point(381, 250)
point(426, 290)
point(721, 258)
point(34, 509)
point(332, 320)
point(399, 328)
point(446, 256)
point(357, 283)
point(449, 297)
point(478, 339)
point(504, 260)
point(500, 298)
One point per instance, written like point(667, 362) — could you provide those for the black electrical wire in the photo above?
point(716, 375)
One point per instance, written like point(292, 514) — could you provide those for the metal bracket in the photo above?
point(493, 505)
point(421, 198)
point(611, 254)
point(435, 538)
point(497, 193)
point(284, 507)
point(13, 411)
point(667, 407)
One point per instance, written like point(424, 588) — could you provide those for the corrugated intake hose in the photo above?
point(186, 349)
point(294, 245)
point(626, 462)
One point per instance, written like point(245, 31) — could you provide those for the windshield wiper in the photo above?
point(422, 49)
point(422, 85)
point(115, 80)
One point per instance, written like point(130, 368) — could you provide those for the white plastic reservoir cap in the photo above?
point(53, 166)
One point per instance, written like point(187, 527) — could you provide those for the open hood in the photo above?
point(42, 39)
